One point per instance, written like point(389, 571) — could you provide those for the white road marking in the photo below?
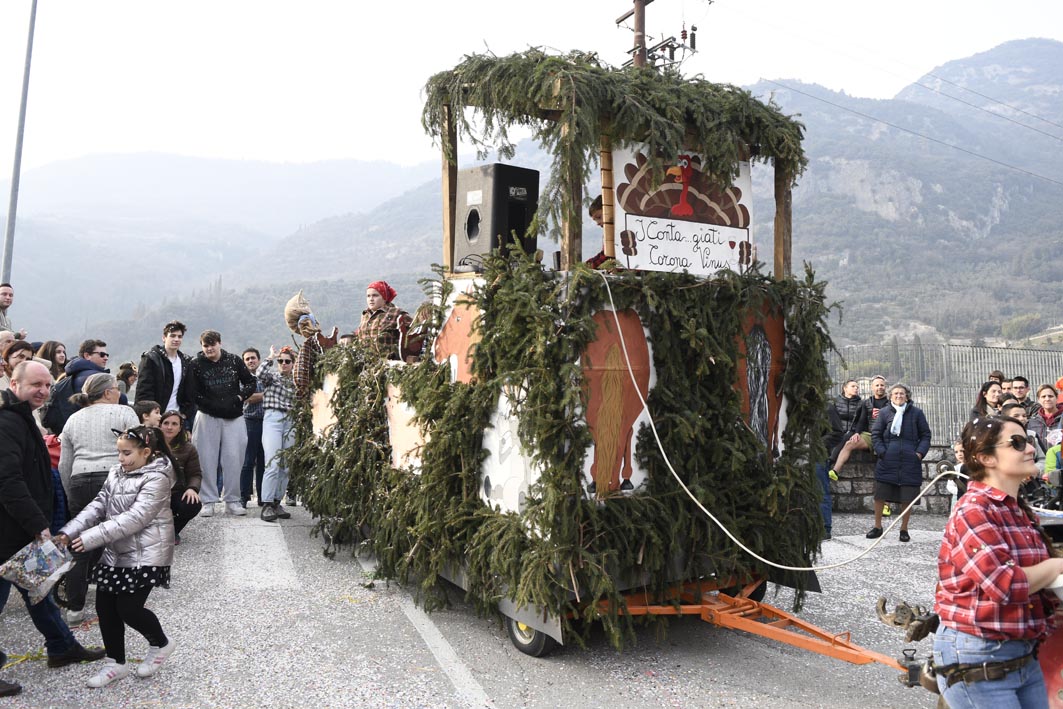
point(470, 691)
point(255, 556)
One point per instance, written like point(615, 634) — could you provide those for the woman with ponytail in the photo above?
point(994, 567)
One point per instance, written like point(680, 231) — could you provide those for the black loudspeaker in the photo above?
point(493, 202)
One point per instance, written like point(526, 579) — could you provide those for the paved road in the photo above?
point(263, 619)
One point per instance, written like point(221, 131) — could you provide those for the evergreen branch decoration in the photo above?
point(564, 98)
point(568, 554)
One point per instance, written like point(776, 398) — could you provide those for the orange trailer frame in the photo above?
point(708, 601)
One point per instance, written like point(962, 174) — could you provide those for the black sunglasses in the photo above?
point(1017, 441)
point(101, 354)
point(285, 361)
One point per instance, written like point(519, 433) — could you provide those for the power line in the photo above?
point(990, 98)
point(917, 134)
point(832, 48)
point(991, 113)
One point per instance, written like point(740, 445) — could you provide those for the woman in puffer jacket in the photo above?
point(131, 519)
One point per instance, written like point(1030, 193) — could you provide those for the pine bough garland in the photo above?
point(567, 553)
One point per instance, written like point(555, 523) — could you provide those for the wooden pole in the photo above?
point(450, 186)
point(640, 32)
point(572, 229)
point(605, 158)
point(783, 223)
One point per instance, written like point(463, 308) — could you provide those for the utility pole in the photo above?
point(640, 31)
point(16, 172)
point(638, 11)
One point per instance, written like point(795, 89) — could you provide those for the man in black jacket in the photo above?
point(848, 420)
point(222, 384)
point(27, 499)
point(164, 374)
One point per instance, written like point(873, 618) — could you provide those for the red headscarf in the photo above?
point(384, 290)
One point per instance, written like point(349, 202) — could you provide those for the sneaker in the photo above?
point(832, 475)
point(291, 501)
point(111, 671)
point(875, 533)
point(73, 617)
point(281, 512)
point(79, 653)
point(826, 535)
point(235, 508)
point(208, 510)
point(905, 536)
point(9, 689)
point(154, 659)
point(268, 513)
point(886, 511)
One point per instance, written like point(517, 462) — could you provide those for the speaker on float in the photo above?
point(493, 202)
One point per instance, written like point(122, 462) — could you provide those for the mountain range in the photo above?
point(934, 212)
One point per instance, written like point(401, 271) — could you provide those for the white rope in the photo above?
point(743, 547)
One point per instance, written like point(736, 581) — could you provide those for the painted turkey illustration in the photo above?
point(683, 172)
point(690, 189)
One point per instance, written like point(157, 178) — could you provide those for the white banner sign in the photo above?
point(687, 223)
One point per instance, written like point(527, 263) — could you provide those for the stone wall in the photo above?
point(854, 490)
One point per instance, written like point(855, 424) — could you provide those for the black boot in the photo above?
point(9, 689)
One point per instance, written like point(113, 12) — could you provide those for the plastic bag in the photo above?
point(37, 567)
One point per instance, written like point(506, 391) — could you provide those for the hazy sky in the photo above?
point(324, 79)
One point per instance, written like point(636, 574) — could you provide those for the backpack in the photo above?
point(58, 408)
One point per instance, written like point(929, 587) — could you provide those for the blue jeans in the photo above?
point(1020, 689)
point(277, 435)
point(254, 460)
point(825, 505)
point(46, 618)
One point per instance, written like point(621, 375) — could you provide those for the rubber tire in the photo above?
point(529, 640)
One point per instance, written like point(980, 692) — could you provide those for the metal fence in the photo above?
point(944, 379)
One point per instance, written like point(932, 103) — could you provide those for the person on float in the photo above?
point(383, 324)
point(994, 565)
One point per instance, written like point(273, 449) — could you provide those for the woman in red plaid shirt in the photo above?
point(994, 566)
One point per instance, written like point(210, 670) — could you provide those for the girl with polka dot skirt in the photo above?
point(131, 520)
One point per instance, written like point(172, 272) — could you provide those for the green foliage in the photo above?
point(568, 554)
point(1022, 326)
point(568, 101)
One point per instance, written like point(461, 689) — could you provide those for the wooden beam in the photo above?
point(783, 223)
point(572, 228)
point(450, 186)
point(605, 158)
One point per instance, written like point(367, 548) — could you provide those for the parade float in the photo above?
point(553, 447)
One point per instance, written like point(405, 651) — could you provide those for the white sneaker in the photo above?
point(109, 673)
point(208, 510)
point(235, 508)
point(74, 617)
point(154, 659)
